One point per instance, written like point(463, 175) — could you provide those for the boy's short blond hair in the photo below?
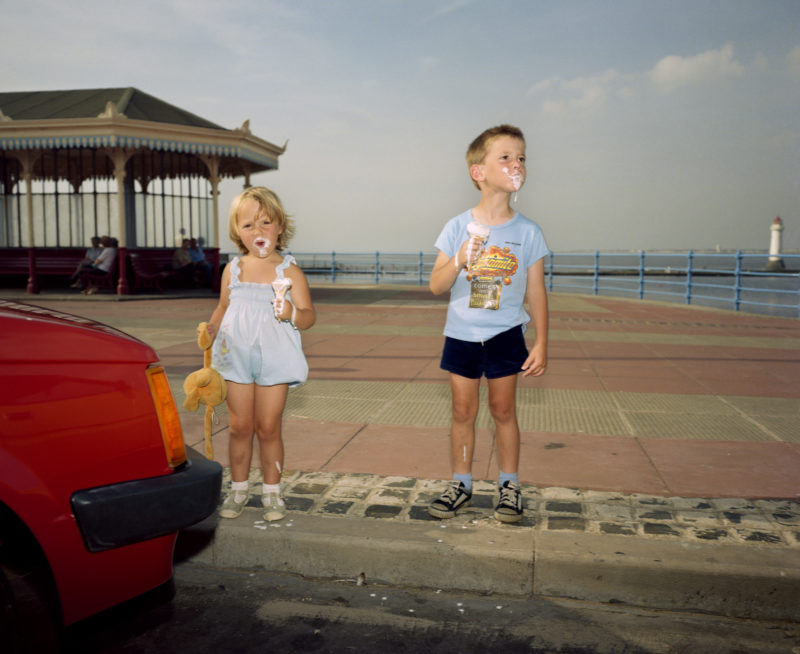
point(479, 148)
point(269, 203)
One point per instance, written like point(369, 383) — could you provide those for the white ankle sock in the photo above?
point(239, 489)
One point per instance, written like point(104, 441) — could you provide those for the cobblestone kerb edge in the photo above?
point(774, 523)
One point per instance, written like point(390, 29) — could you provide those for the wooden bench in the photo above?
point(14, 261)
point(54, 262)
point(58, 262)
point(151, 269)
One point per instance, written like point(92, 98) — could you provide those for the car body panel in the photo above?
point(78, 426)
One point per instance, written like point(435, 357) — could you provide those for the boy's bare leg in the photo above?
point(502, 404)
point(462, 430)
point(269, 404)
point(462, 445)
point(503, 407)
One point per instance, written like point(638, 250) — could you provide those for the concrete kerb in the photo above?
point(421, 555)
point(579, 545)
point(730, 580)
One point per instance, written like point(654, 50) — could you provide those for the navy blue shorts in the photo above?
point(500, 356)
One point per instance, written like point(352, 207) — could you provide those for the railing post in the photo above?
point(420, 268)
point(377, 266)
point(550, 275)
point(689, 258)
point(333, 266)
point(738, 281)
point(596, 286)
point(641, 274)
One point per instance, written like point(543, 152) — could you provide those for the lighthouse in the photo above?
point(775, 263)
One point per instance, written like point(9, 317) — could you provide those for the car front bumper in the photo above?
point(132, 511)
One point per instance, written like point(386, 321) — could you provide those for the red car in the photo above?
point(94, 475)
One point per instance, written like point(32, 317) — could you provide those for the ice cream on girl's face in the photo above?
point(258, 232)
point(262, 245)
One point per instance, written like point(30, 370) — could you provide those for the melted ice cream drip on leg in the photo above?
point(478, 235)
point(262, 244)
point(280, 286)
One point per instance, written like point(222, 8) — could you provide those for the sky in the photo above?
point(649, 124)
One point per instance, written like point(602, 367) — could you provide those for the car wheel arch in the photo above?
point(32, 609)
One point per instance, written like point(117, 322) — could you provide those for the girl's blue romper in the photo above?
point(252, 345)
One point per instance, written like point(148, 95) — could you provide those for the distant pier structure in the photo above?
point(775, 262)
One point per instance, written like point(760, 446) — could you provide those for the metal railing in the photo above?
point(729, 280)
point(733, 280)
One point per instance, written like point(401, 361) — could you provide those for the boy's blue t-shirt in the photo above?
point(491, 300)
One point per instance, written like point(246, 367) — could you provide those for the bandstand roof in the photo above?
point(72, 120)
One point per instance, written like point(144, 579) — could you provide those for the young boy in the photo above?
point(491, 259)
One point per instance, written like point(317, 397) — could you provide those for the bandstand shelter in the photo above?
point(116, 162)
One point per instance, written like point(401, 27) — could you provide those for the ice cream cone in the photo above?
point(478, 234)
point(280, 286)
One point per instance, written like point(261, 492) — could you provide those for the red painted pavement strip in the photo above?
point(727, 469)
point(399, 450)
point(309, 444)
point(604, 463)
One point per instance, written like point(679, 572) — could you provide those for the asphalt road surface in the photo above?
point(239, 612)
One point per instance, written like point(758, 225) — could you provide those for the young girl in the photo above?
point(257, 347)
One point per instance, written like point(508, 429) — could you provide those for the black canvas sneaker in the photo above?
point(509, 508)
point(454, 498)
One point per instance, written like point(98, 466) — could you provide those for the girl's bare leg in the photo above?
point(241, 400)
point(462, 429)
point(269, 404)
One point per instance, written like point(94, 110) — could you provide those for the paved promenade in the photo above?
point(664, 440)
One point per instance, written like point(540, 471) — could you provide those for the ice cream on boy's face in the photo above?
point(516, 178)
